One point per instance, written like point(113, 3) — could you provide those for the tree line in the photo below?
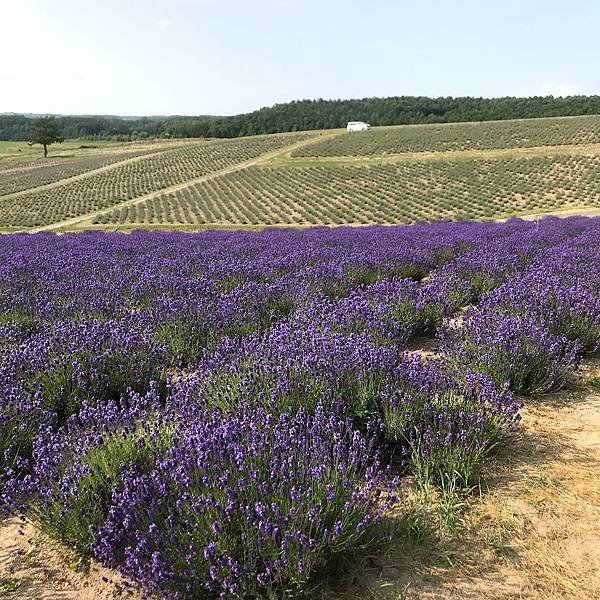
point(309, 114)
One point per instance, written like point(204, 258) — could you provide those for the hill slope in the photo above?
point(389, 175)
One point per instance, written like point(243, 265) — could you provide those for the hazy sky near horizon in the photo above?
point(135, 57)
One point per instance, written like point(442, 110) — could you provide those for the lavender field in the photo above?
point(231, 414)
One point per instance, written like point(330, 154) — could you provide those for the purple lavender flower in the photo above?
point(208, 412)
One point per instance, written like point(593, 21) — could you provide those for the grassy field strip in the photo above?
point(453, 155)
point(563, 214)
point(175, 188)
point(61, 182)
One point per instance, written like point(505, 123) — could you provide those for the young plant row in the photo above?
point(489, 135)
point(385, 193)
point(127, 181)
point(17, 181)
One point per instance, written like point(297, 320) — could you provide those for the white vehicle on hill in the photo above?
point(357, 126)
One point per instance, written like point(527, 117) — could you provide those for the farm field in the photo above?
point(460, 136)
point(156, 171)
point(12, 153)
point(320, 413)
point(385, 193)
point(17, 155)
point(23, 178)
point(389, 175)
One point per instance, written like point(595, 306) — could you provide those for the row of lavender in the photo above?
point(217, 414)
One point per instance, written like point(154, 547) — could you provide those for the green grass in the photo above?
point(68, 149)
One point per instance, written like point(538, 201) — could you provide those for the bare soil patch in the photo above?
point(32, 566)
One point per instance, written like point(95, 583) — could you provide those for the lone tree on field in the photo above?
point(45, 131)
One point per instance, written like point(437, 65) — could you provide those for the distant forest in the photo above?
point(309, 114)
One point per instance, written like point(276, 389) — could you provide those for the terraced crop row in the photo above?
point(525, 133)
point(12, 164)
point(134, 179)
point(385, 193)
point(17, 181)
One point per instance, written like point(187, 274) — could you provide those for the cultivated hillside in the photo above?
point(388, 175)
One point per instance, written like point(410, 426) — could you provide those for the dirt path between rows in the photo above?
point(570, 212)
point(33, 567)
point(180, 186)
point(193, 227)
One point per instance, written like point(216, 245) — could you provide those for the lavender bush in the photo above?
point(76, 469)
point(257, 502)
point(512, 350)
point(212, 413)
point(446, 421)
point(565, 307)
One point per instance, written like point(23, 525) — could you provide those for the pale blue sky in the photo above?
point(230, 56)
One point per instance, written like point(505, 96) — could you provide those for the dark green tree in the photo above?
point(310, 114)
point(45, 131)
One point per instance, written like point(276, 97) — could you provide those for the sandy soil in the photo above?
point(33, 567)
